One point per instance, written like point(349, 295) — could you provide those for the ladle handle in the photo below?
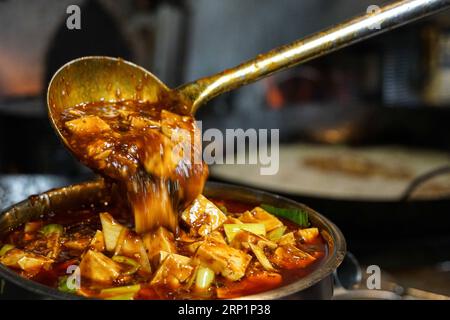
point(316, 45)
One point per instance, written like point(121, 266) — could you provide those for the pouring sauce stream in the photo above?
point(151, 153)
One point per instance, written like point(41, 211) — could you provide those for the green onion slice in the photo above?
point(232, 229)
point(50, 229)
point(62, 285)
point(204, 278)
point(298, 216)
point(121, 293)
point(5, 249)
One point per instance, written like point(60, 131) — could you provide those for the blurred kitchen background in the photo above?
point(365, 132)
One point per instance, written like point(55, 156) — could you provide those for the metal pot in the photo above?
point(317, 285)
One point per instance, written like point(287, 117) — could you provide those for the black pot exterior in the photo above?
point(317, 285)
point(323, 290)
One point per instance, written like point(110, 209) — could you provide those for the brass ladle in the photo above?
point(91, 79)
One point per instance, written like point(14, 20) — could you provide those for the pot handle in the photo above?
point(348, 274)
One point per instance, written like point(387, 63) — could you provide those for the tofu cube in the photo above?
point(88, 125)
point(221, 258)
point(27, 261)
point(97, 267)
point(290, 257)
point(161, 240)
point(309, 234)
point(203, 216)
point(130, 245)
point(174, 270)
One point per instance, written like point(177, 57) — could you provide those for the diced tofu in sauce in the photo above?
point(173, 271)
point(158, 241)
point(27, 261)
point(290, 257)
point(98, 242)
point(130, 245)
point(203, 216)
point(97, 267)
point(215, 236)
point(143, 122)
point(79, 244)
point(88, 125)
point(170, 125)
point(243, 239)
point(229, 262)
point(49, 246)
point(111, 230)
point(308, 235)
point(164, 162)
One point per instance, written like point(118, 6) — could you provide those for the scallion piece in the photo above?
point(5, 249)
point(298, 216)
point(62, 285)
point(232, 229)
point(50, 229)
point(205, 276)
point(121, 293)
point(276, 234)
point(222, 208)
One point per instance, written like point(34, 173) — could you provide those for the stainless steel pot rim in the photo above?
point(332, 261)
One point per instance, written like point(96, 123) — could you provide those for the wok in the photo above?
point(379, 230)
point(317, 285)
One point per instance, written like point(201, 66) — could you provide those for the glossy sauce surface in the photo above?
point(83, 224)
